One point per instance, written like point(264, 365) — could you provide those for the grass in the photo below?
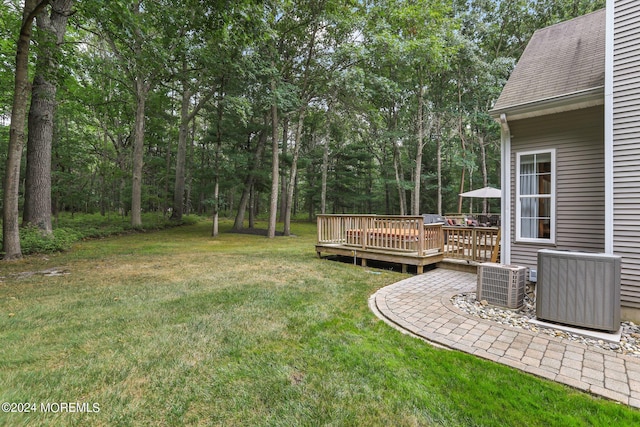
point(177, 328)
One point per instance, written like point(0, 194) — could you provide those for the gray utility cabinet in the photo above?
point(579, 289)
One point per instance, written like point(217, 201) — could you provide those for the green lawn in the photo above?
point(177, 328)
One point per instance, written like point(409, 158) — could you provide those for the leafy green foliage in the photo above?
point(70, 229)
point(9, 26)
point(356, 67)
point(34, 241)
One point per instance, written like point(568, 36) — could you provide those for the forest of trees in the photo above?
point(245, 108)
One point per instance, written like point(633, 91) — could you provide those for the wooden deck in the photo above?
point(404, 240)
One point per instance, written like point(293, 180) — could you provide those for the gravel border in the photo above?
point(629, 340)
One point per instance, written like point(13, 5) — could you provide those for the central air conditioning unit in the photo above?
point(579, 289)
point(502, 285)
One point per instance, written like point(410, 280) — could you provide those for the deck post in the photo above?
point(496, 247)
point(365, 224)
point(474, 245)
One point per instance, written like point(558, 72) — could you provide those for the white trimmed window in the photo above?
point(535, 196)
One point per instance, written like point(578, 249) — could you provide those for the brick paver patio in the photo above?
point(421, 306)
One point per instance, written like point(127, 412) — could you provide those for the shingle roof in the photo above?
point(559, 60)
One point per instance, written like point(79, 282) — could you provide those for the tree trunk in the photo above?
point(11, 214)
point(439, 165)
point(181, 155)
point(463, 146)
point(402, 197)
point(238, 224)
point(387, 182)
point(252, 207)
point(189, 167)
point(216, 190)
point(325, 163)
point(142, 90)
point(275, 167)
point(312, 183)
point(167, 179)
point(418, 171)
point(461, 189)
point(397, 166)
point(325, 174)
point(249, 180)
point(294, 171)
point(283, 172)
point(37, 206)
point(186, 117)
point(483, 162)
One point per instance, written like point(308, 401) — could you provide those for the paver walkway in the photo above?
point(421, 305)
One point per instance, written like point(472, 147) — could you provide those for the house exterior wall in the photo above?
point(626, 147)
point(578, 140)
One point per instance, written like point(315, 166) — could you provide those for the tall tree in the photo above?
point(52, 25)
point(209, 38)
point(188, 112)
point(252, 171)
point(135, 33)
point(275, 163)
point(11, 214)
point(305, 95)
point(410, 42)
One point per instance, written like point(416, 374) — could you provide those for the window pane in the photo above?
point(544, 228)
point(543, 162)
point(528, 208)
point(544, 184)
point(528, 185)
point(535, 228)
point(527, 162)
point(528, 228)
point(544, 207)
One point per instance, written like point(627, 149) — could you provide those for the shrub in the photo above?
point(32, 240)
point(72, 228)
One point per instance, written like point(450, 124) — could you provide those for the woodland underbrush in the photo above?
point(71, 228)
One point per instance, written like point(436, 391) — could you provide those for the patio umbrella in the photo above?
point(484, 193)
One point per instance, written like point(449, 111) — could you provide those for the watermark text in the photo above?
point(50, 407)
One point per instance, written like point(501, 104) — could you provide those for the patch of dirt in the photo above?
point(296, 378)
point(49, 272)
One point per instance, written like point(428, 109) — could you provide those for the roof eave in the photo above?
point(558, 104)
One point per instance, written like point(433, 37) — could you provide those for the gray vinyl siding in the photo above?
point(626, 147)
point(578, 138)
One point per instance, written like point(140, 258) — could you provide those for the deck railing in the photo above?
point(388, 233)
point(409, 234)
point(479, 244)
